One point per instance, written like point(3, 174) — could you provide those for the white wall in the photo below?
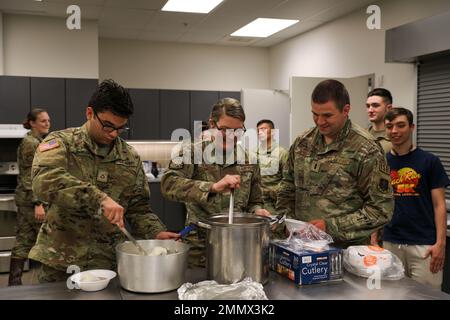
point(301, 89)
point(268, 104)
point(159, 65)
point(346, 48)
point(44, 47)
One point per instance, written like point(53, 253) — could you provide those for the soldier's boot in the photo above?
point(15, 271)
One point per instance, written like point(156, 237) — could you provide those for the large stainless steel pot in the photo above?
point(239, 250)
point(151, 274)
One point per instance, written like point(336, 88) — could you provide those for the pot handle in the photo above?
point(278, 219)
point(203, 225)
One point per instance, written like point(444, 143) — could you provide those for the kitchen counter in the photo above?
point(278, 288)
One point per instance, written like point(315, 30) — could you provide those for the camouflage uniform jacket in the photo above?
point(345, 183)
point(73, 178)
point(271, 163)
point(25, 153)
point(381, 137)
point(190, 183)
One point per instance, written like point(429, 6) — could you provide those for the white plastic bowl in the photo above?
point(93, 285)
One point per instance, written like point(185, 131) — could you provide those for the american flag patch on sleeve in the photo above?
point(48, 145)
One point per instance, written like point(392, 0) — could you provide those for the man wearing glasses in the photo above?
point(92, 180)
point(205, 184)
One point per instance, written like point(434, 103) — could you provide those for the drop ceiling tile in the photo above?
point(136, 4)
point(77, 2)
point(173, 22)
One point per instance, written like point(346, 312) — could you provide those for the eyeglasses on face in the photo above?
point(109, 128)
point(229, 131)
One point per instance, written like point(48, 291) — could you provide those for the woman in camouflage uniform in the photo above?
point(205, 185)
point(30, 211)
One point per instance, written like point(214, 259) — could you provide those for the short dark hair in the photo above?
point(229, 107)
point(110, 96)
point(331, 90)
point(382, 92)
point(269, 122)
point(32, 116)
point(395, 112)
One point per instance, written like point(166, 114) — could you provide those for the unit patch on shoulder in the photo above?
point(383, 185)
point(52, 144)
point(383, 167)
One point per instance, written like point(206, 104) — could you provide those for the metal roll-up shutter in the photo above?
point(433, 108)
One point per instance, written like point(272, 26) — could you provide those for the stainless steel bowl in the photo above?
point(152, 274)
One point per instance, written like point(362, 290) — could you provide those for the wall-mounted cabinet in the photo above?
point(172, 214)
point(174, 108)
point(14, 99)
point(49, 94)
point(230, 94)
point(64, 99)
point(78, 94)
point(201, 105)
point(157, 113)
point(145, 121)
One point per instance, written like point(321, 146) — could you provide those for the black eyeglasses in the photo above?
point(109, 128)
point(229, 131)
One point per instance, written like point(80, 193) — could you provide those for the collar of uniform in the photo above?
point(113, 155)
point(273, 146)
point(39, 137)
point(322, 147)
point(213, 155)
point(378, 135)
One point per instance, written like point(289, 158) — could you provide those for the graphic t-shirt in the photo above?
point(413, 176)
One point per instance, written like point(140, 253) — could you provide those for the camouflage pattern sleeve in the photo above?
point(255, 200)
point(286, 189)
point(25, 157)
point(373, 184)
point(177, 183)
point(52, 183)
point(284, 155)
point(144, 223)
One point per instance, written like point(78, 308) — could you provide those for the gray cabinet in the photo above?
point(157, 200)
point(230, 94)
point(78, 94)
point(145, 121)
point(49, 94)
point(172, 214)
point(14, 99)
point(201, 105)
point(174, 108)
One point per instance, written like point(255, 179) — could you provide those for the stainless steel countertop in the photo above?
point(278, 288)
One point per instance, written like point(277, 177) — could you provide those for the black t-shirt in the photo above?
point(413, 176)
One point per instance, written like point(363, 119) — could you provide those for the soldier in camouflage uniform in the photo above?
point(379, 102)
point(92, 179)
point(336, 176)
point(205, 188)
point(271, 158)
point(30, 211)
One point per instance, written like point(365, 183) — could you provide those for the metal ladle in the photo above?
point(133, 240)
point(124, 231)
point(230, 211)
